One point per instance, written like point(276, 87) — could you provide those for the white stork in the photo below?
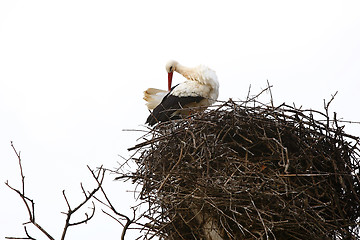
point(200, 90)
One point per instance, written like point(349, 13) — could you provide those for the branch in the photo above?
point(30, 205)
point(27, 234)
point(99, 179)
point(110, 205)
point(326, 107)
point(26, 200)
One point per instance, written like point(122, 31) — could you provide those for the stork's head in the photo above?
point(170, 68)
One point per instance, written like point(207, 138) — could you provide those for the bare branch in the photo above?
point(67, 202)
point(26, 200)
point(99, 179)
point(110, 205)
point(87, 217)
point(27, 234)
point(30, 206)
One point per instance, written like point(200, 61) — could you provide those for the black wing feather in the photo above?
point(168, 106)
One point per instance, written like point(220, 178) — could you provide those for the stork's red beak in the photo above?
point(170, 75)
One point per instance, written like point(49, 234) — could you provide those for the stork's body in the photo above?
point(200, 90)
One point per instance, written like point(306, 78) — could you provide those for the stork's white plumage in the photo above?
point(200, 90)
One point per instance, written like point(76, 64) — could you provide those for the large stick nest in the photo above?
point(250, 171)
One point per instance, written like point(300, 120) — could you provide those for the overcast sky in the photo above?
point(72, 75)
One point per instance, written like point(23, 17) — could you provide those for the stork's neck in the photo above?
point(200, 74)
point(187, 72)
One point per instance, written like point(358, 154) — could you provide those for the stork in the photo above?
point(200, 90)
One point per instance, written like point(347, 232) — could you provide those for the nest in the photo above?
point(246, 170)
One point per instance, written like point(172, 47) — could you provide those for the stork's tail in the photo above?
point(153, 97)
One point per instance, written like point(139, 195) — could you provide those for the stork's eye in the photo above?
point(171, 68)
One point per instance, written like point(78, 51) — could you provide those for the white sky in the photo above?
point(72, 74)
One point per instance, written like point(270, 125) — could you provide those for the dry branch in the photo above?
point(30, 206)
point(29, 203)
point(109, 205)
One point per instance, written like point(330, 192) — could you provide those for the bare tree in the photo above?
point(98, 175)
